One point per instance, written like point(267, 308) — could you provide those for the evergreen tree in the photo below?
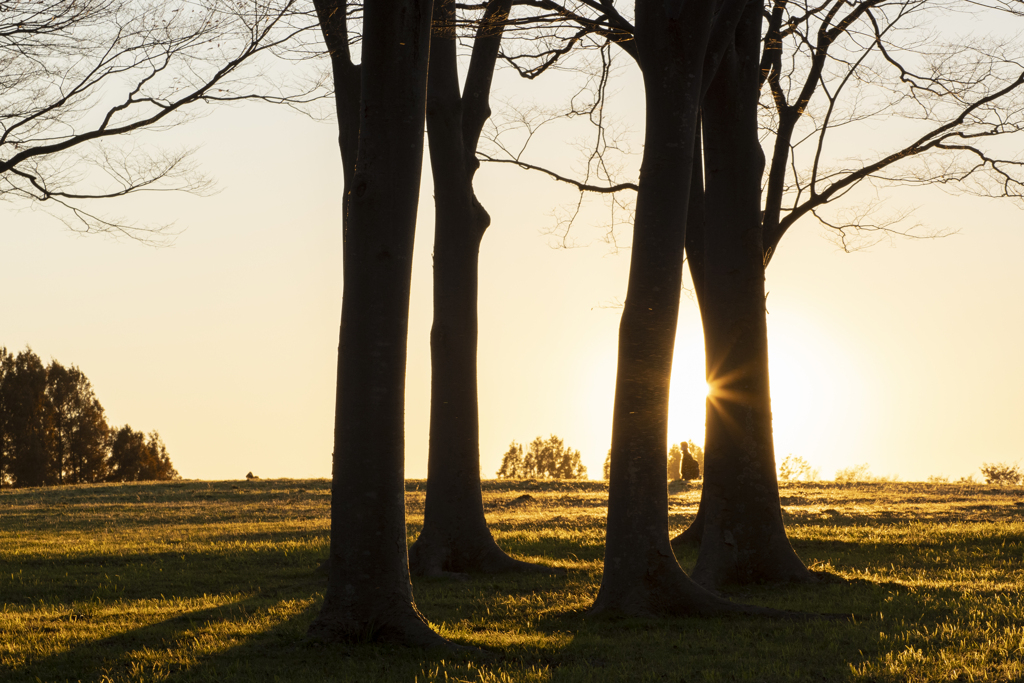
point(78, 433)
point(136, 457)
point(24, 407)
point(53, 430)
point(512, 466)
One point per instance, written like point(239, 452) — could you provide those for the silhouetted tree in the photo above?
point(549, 458)
point(679, 46)
point(53, 430)
point(512, 465)
point(369, 592)
point(23, 405)
point(134, 456)
point(78, 434)
point(827, 66)
point(455, 537)
point(545, 459)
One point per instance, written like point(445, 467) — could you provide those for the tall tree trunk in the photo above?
point(369, 593)
point(455, 537)
point(641, 575)
point(742, 537)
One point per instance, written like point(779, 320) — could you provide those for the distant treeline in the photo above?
point(53, 430)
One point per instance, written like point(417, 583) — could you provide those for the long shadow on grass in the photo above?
point(140, 653)
point(135, 576)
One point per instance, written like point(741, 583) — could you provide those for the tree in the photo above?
point(743, 537)
point(546, 459)
point(549, 458)
point(23, 408)
point(455, 537)
point(53, 430)
point(134, 456)
point(78, 433)
point(824, 64)
point(679, 46)
point(79, 75)
point(369, 592)
point(512, 466)
point(960, 98)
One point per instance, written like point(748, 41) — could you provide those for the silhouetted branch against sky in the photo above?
point(81, 80)
point(577, 38)
point(885, 93)
point(857, 99)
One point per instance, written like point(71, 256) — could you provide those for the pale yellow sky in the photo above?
point(907, 356)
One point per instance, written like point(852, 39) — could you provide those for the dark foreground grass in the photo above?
point(216, 581)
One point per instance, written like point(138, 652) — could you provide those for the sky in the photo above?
point(906, 356)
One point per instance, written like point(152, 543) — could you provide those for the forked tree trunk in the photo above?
point(742, 535)
point(455, 537)
point(369, 594)
point(641, 575)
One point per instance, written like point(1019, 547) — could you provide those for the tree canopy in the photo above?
point(54, 431)
point(545, 459)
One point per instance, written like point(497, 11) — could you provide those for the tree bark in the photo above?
point(369, 593)
point(742, 534)
point(455, 537)
point(641, 575)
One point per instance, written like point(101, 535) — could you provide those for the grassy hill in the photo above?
point(217, 581)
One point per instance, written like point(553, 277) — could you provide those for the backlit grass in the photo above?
point(217, 581)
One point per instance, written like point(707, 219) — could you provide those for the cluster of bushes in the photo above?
point(685, 461)
point(544, 459)
point(53, 430)
point(551, 459)
point(1001, 473)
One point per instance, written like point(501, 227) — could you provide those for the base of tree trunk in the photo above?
point(746, 550)
point(665, 590)
point(402, 625)
point(433, 556)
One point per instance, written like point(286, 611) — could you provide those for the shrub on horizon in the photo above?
point(1001, 473)
point(862, 473)
point(796, 468)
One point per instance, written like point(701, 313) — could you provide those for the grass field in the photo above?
point(216, 581)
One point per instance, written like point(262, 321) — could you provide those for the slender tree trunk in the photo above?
point(641, 575)
point(455, 537)
point(743, 538)
point(369, 594)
